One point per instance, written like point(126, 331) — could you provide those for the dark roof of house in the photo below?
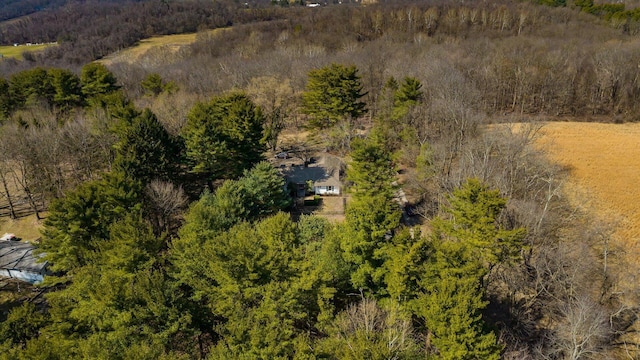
point(325, 172)
point(16, 255)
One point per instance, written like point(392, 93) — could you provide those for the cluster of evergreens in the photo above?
point(170, 237)
point(58, 89)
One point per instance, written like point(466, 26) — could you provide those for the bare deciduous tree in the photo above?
point(582, 330)
point(166, 203)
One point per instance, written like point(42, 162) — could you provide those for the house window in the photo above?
point(329, 188)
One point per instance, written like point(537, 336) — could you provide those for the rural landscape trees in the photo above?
point(170, 236)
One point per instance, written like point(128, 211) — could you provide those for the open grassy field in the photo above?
point(170, 44)
point(16, 51)
point(604, 163)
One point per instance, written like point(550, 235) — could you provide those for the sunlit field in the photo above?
point(168, 44)
point(16, 51)
point(604, 163)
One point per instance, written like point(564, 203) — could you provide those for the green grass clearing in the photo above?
point(16, 51)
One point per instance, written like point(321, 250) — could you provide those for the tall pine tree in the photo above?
point(333, 93)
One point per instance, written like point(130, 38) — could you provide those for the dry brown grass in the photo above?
point(26, 228)
point(168, 43)
point(333, 208)
point(604, 163)
point(171, 43)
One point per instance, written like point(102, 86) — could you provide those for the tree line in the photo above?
point(512, 59)
point(13, 9)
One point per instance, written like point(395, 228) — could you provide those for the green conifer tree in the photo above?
point(145, 150)
point(450, 304)
point(78, 222)
point(224, 137)
point(333, 93)
point(96, 80)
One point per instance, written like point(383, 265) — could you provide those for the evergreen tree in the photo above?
point(372, 214)
point(409, 92)
point(31, 87)
point(368, 228)
point(371, 169)
point(450, 303)
point(145, 150)
point(466, 247)
point(78, 222)
point(405, 260)
point(474, 210)
point(96, 80)
point(115, 104)
point(265, 190)
point(258, 194)
point(22, 324)
point(406, 96)
point(121, 305)
point(312, 229)
point(224, 137)
point(152, 84)
point(249, 276)
point(6, 104)
point(66, 87)
point(333, 93)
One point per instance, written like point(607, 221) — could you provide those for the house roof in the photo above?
point(324, 172)
point(16, 255)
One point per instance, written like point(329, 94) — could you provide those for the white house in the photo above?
point(18, 261)
point(323, 174)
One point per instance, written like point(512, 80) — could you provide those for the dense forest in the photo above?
point(169, 235)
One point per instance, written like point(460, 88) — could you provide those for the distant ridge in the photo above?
point(11, 9)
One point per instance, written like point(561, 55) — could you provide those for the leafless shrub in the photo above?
point(364, 326)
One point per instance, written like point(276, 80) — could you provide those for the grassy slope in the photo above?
point(170, 42)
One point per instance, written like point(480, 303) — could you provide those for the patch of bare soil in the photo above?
point(330, 207)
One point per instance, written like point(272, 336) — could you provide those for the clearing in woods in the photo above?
point(604, 163)
point(11, 51)
point(168, 44)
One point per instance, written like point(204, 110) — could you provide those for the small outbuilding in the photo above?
point(18, 261)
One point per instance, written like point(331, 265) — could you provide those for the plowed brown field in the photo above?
point(604, 163)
